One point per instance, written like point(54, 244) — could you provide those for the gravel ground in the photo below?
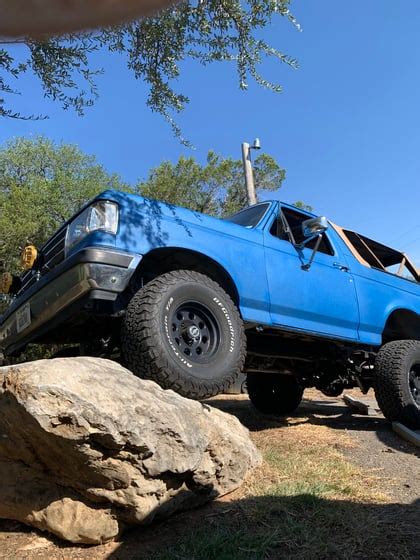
point(396, 460)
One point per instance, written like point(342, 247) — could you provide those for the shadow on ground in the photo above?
point(268, 527)
point(332, 413)
point(275, 527)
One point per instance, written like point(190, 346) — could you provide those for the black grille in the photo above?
point(50, 255)
point(52, 252)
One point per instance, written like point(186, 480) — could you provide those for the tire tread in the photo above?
point(140, 344)
point(391, 383)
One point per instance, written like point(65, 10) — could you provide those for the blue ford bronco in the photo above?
point(190, 301)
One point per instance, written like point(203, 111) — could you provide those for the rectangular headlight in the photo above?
point(100, 216)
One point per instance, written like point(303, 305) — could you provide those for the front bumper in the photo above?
point(100, 274)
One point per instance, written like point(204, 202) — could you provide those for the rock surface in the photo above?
point(87, 448)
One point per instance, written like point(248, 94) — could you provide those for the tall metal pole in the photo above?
point(249, 174)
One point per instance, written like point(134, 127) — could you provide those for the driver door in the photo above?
point(321, 300)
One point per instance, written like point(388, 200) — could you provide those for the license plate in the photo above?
point(23, 317)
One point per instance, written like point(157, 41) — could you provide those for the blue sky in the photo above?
point(346, 127)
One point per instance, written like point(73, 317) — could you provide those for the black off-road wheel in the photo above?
point(274, 393)
point(397, 382)
point(183, 331)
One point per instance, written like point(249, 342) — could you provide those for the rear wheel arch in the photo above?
point(402, 324)
point(163, 260)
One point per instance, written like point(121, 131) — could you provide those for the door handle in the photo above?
point(342, 267)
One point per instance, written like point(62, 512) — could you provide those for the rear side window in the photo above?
point(295, 220)
point(250, 217)
point(382, 257)
point(363, 249)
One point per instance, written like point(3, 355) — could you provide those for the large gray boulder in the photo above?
point(87, 448)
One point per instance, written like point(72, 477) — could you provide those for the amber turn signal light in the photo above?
point(6, 281)
point(28, 257)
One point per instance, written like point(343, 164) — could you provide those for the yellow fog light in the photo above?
point(28, 257)
point(6, 281)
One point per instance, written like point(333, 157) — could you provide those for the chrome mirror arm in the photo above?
point(308, 265)
point(307, 240)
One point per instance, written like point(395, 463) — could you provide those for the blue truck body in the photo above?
point(337, 298)
point(190, 301)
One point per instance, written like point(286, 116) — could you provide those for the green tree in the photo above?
point(154, 48)
point(216, 188)
point(41, 185)
point(303, 206)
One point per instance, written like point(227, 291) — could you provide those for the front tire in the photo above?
point(184, 332)
point(397, 382)
point(274, 393)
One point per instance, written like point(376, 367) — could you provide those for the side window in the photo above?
point(294, 220)
point(380, 256)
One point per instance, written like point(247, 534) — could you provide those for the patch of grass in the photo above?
point(307, 501)
point(221, 543)
point(300, 528)
point(307, 459)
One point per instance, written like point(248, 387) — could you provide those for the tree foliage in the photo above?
point(205, 31)
point(303, 206)
point(215, 188)
point(61, 66)
point(41, 186)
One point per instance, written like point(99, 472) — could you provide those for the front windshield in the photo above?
point(249, 217)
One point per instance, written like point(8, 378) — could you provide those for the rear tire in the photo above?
point(274, 393)
point(397, 382)
point(184, 332)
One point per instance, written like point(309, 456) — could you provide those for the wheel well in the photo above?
point(402, 324)
point(159, 261)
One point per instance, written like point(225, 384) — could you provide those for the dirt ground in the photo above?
point(375, 448)
point(379, 447)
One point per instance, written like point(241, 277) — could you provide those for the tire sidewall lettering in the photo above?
point(229, 323)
